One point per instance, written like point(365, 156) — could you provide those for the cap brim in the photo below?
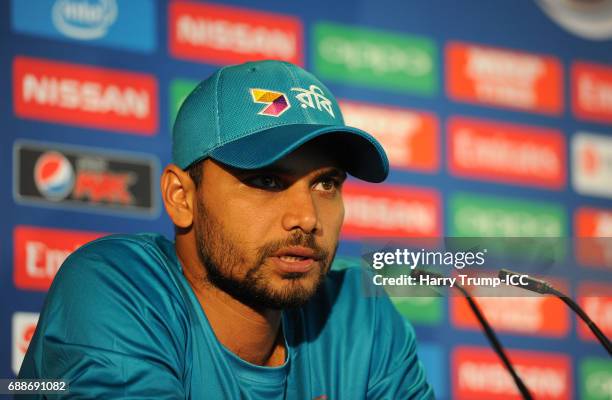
point(360, 153)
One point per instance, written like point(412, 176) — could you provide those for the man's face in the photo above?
point(268, 236)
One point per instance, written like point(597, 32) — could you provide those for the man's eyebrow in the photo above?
point(280, 170)
point(331, 172)
point(272, 169)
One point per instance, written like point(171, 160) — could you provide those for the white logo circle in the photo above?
point(588, 19)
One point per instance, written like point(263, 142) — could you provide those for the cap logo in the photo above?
point(277, 102)
point(313, 98)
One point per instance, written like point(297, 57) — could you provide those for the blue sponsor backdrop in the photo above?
point(133, 35)
point(121, 24)
point(435, 362)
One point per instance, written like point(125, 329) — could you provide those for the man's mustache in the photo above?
point(299, 239)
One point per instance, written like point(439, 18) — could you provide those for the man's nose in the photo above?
point(300, 210)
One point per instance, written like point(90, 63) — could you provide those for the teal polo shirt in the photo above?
point(121, 321)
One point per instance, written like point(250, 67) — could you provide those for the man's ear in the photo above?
point(179, 194)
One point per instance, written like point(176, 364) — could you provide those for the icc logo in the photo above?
point(54, 176)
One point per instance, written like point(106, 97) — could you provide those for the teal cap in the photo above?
point(251, 115)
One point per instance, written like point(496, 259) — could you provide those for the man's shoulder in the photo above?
point(141, 261)
point(115, 250)
point(114, 303)
point(128, 277)
point(125, 242)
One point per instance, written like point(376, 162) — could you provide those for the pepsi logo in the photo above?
point(81, 177)
point(54, 176)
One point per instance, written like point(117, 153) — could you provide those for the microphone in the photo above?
point(543, 287)
point(489, 332)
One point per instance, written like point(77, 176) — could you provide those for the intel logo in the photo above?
point(84, 19)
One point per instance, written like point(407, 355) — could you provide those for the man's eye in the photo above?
point(327, 185)
point(265, 182)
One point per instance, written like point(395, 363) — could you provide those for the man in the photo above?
point(242, 305)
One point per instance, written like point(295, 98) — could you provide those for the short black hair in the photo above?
point(195, 172)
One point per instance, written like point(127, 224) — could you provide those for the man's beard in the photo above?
point(221, 257)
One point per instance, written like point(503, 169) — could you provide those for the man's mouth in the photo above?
point(295, 259)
